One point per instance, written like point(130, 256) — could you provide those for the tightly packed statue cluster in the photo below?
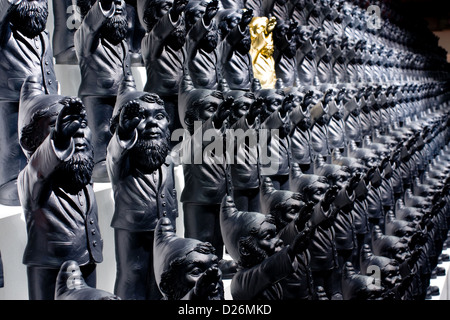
point(312, 137)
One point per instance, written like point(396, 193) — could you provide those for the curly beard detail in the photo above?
point(30, 18)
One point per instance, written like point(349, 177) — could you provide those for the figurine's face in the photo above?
point(339, 178)
point(208, 107)
point(291, 208)
point(273, 102)
point(210, 40)
point(195, 265)
point(318, 190)
point(162, 7)
point(258, 26)
point(155, 122)
point(241, 106)
point(267, 239)
point(390, 275)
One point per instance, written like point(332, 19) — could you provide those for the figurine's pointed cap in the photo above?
point(127, 92)
point(270, 196)
point(256, 85)
point(236, 224)
point(32, 99)
point(279, 85)
point(223, 86)
point(168, 246)
point(188, 94)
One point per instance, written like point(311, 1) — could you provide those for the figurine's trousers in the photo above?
point(99, 111)
point(247, 199)
point(12, 158)
point(42, 281)
point(135, 278)
point(202, 222)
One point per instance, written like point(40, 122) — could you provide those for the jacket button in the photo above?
point(164, 213)
point(163, 204)
point(93, 231)
point(162, 195)
point(91, 221)
point(94, 243)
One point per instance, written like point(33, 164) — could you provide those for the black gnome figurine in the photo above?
point(103, 57)
point(185, 268)
point(268, 269)
point(141, 173)
point(164, 53)
point(55, 189)
point(25, 50)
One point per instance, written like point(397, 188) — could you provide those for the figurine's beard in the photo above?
point(30, 18)
point(76, 173)
point(176, 39)
point(115, 29)
point(255, 257)
point(148, 155)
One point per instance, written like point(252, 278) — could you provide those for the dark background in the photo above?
point(436, 13)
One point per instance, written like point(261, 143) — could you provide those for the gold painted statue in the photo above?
point(262, 49)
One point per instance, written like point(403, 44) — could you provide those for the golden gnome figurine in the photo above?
point(262, 49)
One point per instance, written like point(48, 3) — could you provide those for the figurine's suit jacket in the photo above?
point(102, 64)
point(138, 201)
point(267, 280)
point(300, 140)
point(164, 65)
point(206, 183)
point(59, 228)
point(21, 57)
point(237, 67)
point(204, 67)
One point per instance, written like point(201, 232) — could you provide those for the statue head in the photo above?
point(273, 99)
point(194, 10)
point(249, 237)
point(283, 205)
point(356, 286)
point(154, 10)
point(311, 186)
point(153, 134)
point(115, 28)
point(390, 268)
point(38, 113)
point(242, 102)
point(180, 262)
point(29, 17)
point(228, 19)
point(389, 246)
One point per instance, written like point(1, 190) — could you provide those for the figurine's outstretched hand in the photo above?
point(207, 283)
point(178, 8)
point(288, 105)
point(223, 111)
point(246, 18)
point(210, 12)
point(255, 110)
point(68, 122)
point(130, 117)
